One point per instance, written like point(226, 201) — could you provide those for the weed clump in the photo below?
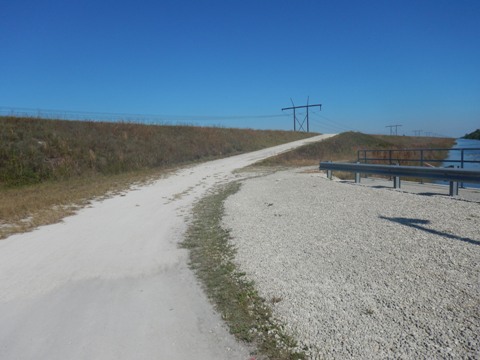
point(212, 257)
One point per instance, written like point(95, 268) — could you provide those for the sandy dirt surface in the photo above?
point(111, 281)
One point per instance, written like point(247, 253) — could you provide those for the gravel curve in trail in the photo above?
point(365, 273)
point(111, 281)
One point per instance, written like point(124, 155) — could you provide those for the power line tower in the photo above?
point(391, 129)
point(417, 132)
point(300, 122)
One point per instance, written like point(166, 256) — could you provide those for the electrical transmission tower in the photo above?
point(300, 122)
point(391, 129)
point(417, 132)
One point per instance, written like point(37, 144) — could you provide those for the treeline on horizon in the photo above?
point(34, 150)
point(474, 135)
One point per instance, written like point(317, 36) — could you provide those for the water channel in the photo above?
point(468, 155)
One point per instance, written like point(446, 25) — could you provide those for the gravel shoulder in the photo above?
point(359, 271)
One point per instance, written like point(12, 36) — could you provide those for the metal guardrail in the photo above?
point(392, 158)
point(396, 171)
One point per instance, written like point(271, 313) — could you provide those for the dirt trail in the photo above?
point(111, 282)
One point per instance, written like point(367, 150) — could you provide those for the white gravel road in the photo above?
point(362, 272)
point(111, 282)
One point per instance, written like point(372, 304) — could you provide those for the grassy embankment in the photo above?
point(50, 167)
point(344, 147)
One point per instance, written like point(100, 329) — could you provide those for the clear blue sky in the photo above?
point(370, 63)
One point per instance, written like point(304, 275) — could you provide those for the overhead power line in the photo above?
point(110, 116)
point(306, 120)
point(324, 125)
point(391, 129)
point(327, 122)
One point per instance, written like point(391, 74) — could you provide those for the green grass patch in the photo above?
point(212, 258)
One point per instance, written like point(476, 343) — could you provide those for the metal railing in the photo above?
point(392, 159)
point(454, 176)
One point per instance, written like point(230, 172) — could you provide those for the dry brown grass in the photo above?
point(25, 208)
point(344, 147)
point(33, 151)
point(50, 168)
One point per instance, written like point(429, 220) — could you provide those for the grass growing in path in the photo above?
point(25, 208)
point(212, 258)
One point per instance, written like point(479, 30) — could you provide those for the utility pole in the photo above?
point(391, 128)
point(306, 119)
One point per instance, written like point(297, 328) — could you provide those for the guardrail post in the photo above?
point(462, 159)
point(396, 182)
point(421, 163)
point(329, 173)
point(365, 175)
point(453, 188)
point(357, 178)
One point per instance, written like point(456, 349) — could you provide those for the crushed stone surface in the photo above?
point(361, 272)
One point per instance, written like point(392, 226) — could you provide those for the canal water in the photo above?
point(468, 155)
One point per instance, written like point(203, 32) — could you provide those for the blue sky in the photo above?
point(370, 63)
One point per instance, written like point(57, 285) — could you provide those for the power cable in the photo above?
point(327, 126)
point(335, 123)
point(75, 114)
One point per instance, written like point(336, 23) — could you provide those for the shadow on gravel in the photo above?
point(433, 194)
point(448, 196)
point(416, 223)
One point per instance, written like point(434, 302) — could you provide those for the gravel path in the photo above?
point(362, 272)
point(112, 283)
